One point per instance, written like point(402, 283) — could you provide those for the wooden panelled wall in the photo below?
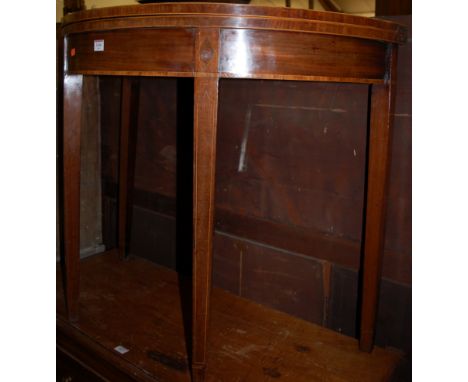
point(393, 7)
point(289, 193)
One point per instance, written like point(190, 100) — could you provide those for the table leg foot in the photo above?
point(198, 372)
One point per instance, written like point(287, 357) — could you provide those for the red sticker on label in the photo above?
point(72, 52)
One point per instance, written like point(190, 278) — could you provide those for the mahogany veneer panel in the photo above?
point(130, 50)
point(247, 53)
point(138, 305)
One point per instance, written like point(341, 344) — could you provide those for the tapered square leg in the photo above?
point(205, 121)
point(381, 109)
point(72, 101)
point(127, 152)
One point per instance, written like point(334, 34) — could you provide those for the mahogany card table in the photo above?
point(208, 42)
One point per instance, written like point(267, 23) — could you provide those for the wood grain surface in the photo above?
point(140, 306)
point(132, 50)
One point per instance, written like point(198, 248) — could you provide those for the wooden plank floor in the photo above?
point(137, 304)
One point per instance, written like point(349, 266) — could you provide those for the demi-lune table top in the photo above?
point(227, 40)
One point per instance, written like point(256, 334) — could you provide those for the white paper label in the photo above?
point(99, 45)
point(121, 349)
